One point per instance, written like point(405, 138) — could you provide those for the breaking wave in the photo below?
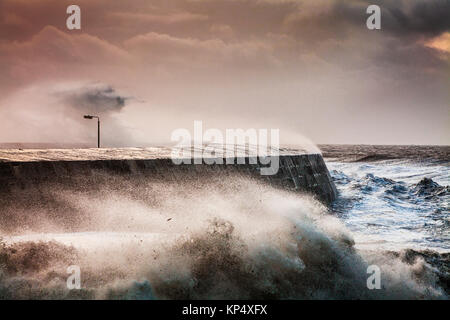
point(227, 238)
point(393, 205)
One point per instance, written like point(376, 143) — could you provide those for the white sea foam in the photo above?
point(233, 239)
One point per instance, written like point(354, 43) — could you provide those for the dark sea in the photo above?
point(393, 196)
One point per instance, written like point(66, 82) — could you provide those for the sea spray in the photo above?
point(202, 239)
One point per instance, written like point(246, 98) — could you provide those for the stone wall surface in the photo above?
point(298, 172)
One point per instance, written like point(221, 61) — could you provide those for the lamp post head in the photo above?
point(88, 116)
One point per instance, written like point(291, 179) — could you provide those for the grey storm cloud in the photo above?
point(401, 17)
point(429, 17)
point(96, 98)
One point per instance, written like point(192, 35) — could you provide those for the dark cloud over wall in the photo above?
point(98, 98)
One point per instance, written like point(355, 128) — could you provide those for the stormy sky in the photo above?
point(148, 67)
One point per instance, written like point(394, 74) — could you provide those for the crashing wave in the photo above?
point(429, 189)
point(232, 239)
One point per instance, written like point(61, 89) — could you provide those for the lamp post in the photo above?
point(98, 127)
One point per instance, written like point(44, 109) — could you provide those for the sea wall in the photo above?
point(298, 172)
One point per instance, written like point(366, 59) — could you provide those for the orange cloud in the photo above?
point(441, 43)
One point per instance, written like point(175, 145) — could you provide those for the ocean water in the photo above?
point(394, 204)
point(234, 238)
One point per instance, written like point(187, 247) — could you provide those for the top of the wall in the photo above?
point(28, 155)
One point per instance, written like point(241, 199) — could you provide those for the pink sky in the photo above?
point(309, 68)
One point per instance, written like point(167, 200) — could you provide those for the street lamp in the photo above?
point(98, 127)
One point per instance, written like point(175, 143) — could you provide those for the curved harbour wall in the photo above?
point(299, 172)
